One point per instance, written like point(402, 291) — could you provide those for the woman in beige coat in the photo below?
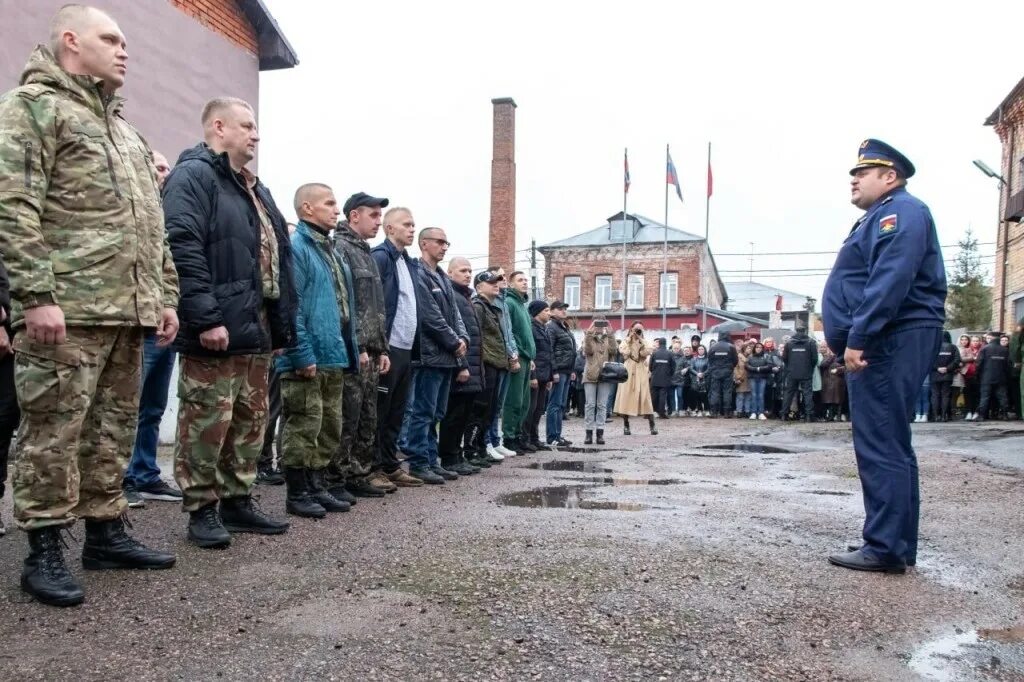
point(598, 348)
point(634, 396)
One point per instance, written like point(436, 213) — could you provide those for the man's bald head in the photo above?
point(88, 42)
point(458, 262)
point(309, 193)
point(315, 204)
point(460, 270)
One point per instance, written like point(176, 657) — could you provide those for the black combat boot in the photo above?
point(318, 492)
point(339, 492)
point(299, 501)
point(600, 437)
point(654, 429)
point(589, 438)
point(107, 545)
point(205, 528)
point(45, 576)
point(242, 515)
point(361, 487)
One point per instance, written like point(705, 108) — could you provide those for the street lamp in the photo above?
point(983, 167)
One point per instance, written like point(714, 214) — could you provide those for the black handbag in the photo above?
point(613, 372)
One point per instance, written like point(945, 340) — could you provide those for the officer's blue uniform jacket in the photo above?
point(889, 275)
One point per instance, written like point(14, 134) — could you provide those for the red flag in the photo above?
point(710, 180)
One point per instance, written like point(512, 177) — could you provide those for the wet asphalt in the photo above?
point(653, 557)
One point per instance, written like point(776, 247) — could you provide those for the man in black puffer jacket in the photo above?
point(801, 356)
point(563, 353)
point(662, 367)
point(231, 249)
point(946, 364)
point(541, 377)
point(454, 440)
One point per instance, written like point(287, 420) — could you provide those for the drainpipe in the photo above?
point(1006, 233)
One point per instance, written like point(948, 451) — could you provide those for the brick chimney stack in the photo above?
point(501, 245)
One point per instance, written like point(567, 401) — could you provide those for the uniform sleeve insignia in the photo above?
point(887, 225)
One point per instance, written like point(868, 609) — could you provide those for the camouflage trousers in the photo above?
point(310, 418)
point(79, 409)
point(222, 414)
point(357, 455)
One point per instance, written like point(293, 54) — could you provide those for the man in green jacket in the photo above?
point(517, 402)
point(82, 233)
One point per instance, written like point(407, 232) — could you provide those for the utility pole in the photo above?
point(533, 267)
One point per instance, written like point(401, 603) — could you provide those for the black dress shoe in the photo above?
point(362, 488)
point(479, 461)
point(858, 561)
point(539, 447)
point(524, 446)
point(446, 474)
point(464, 469)
point(854, 548)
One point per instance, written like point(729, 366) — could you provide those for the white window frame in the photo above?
point(573, 284)
point(603, 285)
point(669, 281)
point(635, 292)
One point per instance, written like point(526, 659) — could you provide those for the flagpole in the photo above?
point(707, 245)
point(625, 288)
point(662, 286)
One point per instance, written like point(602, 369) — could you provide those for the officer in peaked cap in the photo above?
point(883, 311)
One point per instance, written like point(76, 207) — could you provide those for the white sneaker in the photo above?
point(917, 419)
point(503, 451)
point(493, 453)
point(924, 419)
point(707, 413)
point(973, 416)
point(762, 417)
point(753, 415)
point(842, 417)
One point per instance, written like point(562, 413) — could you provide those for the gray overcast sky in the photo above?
point(393, 98)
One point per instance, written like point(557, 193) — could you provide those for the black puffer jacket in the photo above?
point(993, 363)
point(801, 356)
point(544, 357)
point(759, 366)
point(214, 233)
point(722, 359)
point(948, 357)
point(440, 323)
point(563, 347)
point(474, 355)
point(662, 364)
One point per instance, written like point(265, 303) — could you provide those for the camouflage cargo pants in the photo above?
point(310, 418)
point(222, 414)
point(357, 453)
point(79, 408)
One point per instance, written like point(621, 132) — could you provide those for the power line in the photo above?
point(820, 253)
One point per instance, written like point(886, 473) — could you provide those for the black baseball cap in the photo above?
point(558, 304)
point(488, 277)
point(360, 199)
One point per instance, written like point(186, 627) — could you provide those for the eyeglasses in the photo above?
point(444, 242)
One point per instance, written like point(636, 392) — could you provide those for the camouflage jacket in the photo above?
point(371, 332)
point(80, 218)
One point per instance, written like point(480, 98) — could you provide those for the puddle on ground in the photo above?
point(707, 454)
point(752, 448)
point(571, 465)
point(827, 492)
point(576, 450)
point(963, 654)
point(624, 481)
point(564, 497)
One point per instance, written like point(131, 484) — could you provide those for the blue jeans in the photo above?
point(556, 403)
point(157, 366)
point(924, 396)
point(757, 386)
point(494, 432)
point(744, 401)
point(427, 405)
point(609, 408)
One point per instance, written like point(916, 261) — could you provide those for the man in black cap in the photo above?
point(563, 361)
point(348, 475)
point(883, 311)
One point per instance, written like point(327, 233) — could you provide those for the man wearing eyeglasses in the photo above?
point(443, 343)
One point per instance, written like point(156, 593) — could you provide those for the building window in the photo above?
point(602, 292)
point(571, 295)
point(669, 290)
point(635, 292)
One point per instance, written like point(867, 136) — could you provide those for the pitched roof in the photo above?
point(730, 315)
point(275, 50)
point(1015, 94)
point(755, 297)
point(639, 230)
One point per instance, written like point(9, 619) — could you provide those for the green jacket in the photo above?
point(80, 218)
point(522, 325)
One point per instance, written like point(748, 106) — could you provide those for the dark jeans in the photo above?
point(972, 393)
point(9, 414)
point(157, 366)
point(493, 433)
point(661, 394)
point(538, 406)
point(272, 435)
point(485, 407)
point(1002, 399)
point(942, 395)
point(455, 433)
point(556, 409)
point(757, 386)
point(428, 404)
point(392, 395)
point(804, 386)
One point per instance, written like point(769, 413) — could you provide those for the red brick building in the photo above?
point(1008, 290)
point(585, 271)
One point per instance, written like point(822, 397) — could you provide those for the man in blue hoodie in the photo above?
point(313, 369)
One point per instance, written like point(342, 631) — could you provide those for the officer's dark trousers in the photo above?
point(272, 434)
point(942, 396)
point(806, 390)
point(882, 397)
point(1001, 398)
point(661, 398)
point(392, 395)
point(9, 414)
point(720, 394)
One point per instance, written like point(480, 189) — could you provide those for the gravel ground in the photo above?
point(716, 571)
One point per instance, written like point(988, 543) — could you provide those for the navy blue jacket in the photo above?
point(385, 255)
point(474, 349)
point(888, 275)
point(544, 357)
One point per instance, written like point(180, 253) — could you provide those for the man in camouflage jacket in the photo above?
point(82, 235)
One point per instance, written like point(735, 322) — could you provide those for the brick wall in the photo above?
point(1011, 134)
point(223, 17)
point(588, 263)
point(501, 242)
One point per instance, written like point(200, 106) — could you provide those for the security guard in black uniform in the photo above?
point(994, 374)
point(883, 311)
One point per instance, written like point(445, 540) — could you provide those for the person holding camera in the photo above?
point(598, 348)
point(634, 397)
